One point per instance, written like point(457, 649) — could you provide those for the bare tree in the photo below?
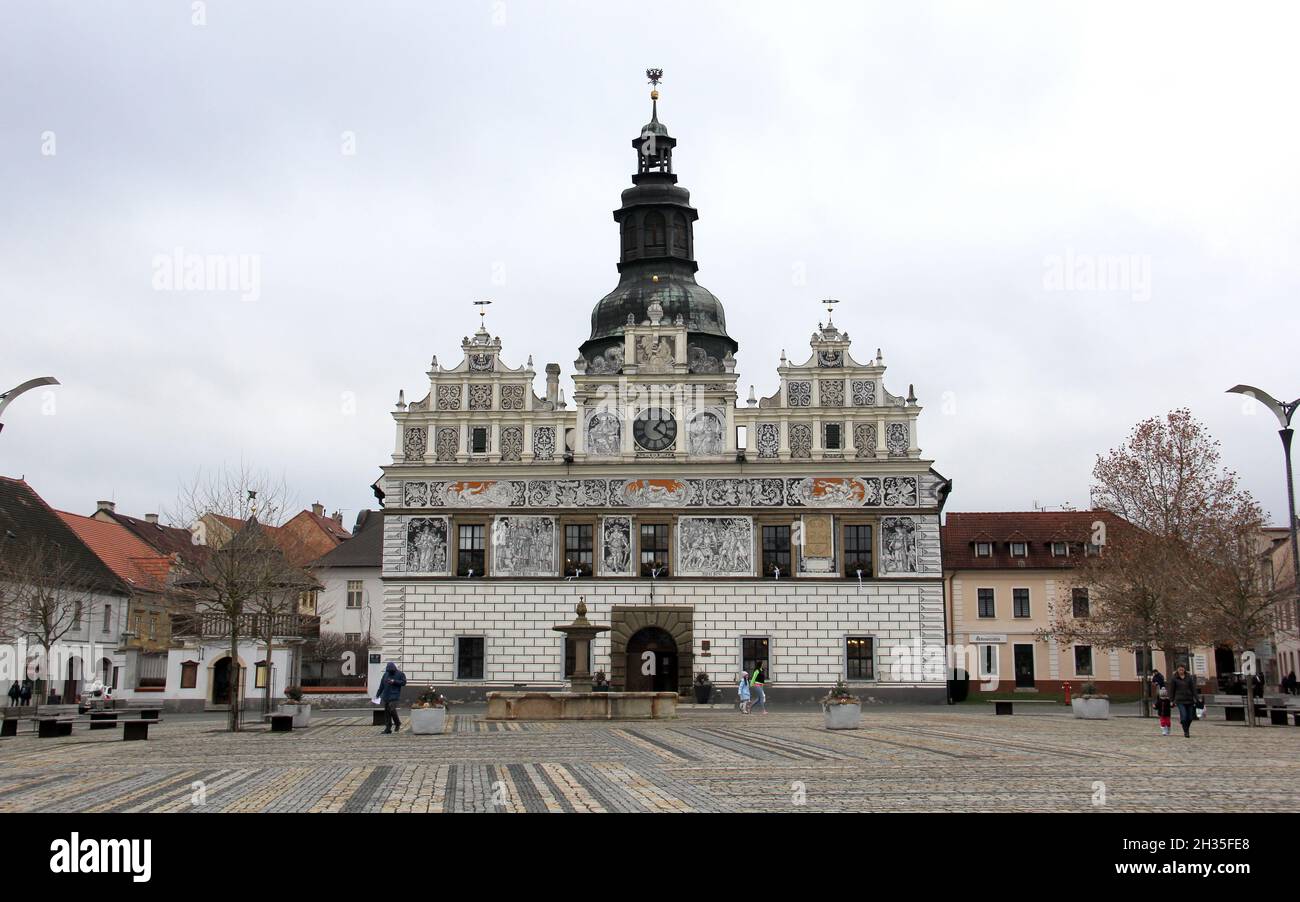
point(46, 594)
point(238, 566)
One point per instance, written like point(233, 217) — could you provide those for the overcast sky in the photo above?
point(933, 166)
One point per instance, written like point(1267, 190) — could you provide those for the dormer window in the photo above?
point(1060, 549)
point(1091, 550)
point(1019, 549)
point(984, 549)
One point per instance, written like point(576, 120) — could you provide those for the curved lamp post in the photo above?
point(17, 390)
point(1283, 411)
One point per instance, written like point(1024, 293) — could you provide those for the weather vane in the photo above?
point(654, 75)
point(482, 309)
point(829, 304)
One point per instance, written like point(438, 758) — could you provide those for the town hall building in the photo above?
point(710, 531)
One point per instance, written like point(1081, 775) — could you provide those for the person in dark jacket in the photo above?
point(1186, 695)
point(1157, 680)
point(14, 692)
point(390, 692)
point(25, 693)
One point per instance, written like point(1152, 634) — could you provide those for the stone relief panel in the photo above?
point(426, 545)
point(480, 362)
point(864, 393)
point(449, 397)
point(512, 443)
point(543, 443)
point(616, 546)
point(715, 546)
point(512, 397)
point(723, 491)
point(701, 361)
point(704, 433)
point(604, 434)
point(480, 397)
point(800, 441)
point(898, 548)
point(864, 439)
point(768, 439)
point(655, 355)
point(523, 546)
point(831, 392)
point(448, 443)
point(896, 441)
point(817, 553)
point(799, 394)
point(417, 439)
point(607, 363)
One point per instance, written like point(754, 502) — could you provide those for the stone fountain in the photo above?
point(580, 703)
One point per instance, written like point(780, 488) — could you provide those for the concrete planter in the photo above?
point(843, 717)
point(301, 714)
point(1091, 708)
point(428, 721)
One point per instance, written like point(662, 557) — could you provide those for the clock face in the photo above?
point(654, 429)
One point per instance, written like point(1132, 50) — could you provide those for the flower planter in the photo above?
point(1091, 708)
point(426, 721)
point(301, 714)
point(843, 716)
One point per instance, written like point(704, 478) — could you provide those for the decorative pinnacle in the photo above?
point(482, 309)
point(654, 75)
point(829, 304)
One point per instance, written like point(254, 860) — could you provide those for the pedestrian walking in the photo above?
point(390, 692)
point(742, 692)
point(1187, 696)
point(1164, 708)
point(1157, 680)
point(756, 681)
point(25, 694)
point(14, 693)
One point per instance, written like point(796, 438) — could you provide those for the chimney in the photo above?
point(553, 383)
point(318, 509)
point(151, 518)
point(338, 517)
point(106, 506)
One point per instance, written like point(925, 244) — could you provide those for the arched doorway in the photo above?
point(221, 681)
point(651, 661)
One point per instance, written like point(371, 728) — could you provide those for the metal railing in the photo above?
point(208, 623)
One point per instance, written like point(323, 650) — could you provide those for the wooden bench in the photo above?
point(53, 727)
point(1003, 705)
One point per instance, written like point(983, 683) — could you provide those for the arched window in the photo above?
point(655, 240)
point(680, 233)
point(629, 237)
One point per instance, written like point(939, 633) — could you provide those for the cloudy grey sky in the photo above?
point(931, 165)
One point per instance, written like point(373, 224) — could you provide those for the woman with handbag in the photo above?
point(1186, 695)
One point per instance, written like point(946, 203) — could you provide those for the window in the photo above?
point(984, 549)
point(263, 673)
point(153, 626)
point(352, 638)
point(857, 551)
point(469, 657)
point(679, 235)
point(356, 589)
point(833, 437)
point(629, 236)
point(189, 674)
point(654, 549)
point(470, 557)
point(986, 606)
point(1060, 549)
point(754, 651)
point(307, 602)
point(1079, 602)
point(1142, 661)
point(1083, 660)
point(860, 658)
point(1020, 602)
point(1091, 549)
point(478, 438)
point(76, 616)
point(988, 661)
point(1019, 549)
point(654, 232)
point(577, 548)
point(776, 550)
point(108, 617)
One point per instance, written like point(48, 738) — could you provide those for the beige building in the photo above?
point(1005, 573)
point(1280, 575)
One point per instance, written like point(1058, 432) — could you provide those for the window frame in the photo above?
point(787, 569)
point(875, 670)
point(1092, 662)
point(1077, 592)
point(360, 593)
point(487, 535)
point(979, 603)
point(563, 526)
point(759, 637)
point(843, 551)
point(1015, 603)
point(1064, 546)
point(190, 668)
point(670, 532)
point(474, 431)
point(483, 658)
point(1023, 546)
point(984, 549)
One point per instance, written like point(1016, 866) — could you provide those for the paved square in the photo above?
point(943, 759)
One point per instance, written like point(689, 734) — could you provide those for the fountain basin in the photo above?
point(581, 705)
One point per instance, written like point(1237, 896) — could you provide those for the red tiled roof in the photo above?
point(1038, 529)
point(134, 562)
point(25, 517)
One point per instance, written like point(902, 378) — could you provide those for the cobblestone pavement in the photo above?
point(901, 760)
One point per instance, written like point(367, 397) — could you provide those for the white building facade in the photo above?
point(800, 530)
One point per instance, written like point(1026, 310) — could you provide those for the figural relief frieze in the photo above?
point(604, 434)
point(655, 355)
point(426, 545)
point(715, 546)
point(898, 545)
point(704, 434)
point(523, 546)
point(616, 546)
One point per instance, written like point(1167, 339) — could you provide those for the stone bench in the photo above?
point(54, 727)
point(1004, 706)
point(581, 705)
point(280, 723)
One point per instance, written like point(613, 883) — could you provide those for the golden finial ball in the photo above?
point(654, 95)
point(654, 278)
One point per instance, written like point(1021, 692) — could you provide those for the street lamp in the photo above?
point(1283, 411)
point(17, 390)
